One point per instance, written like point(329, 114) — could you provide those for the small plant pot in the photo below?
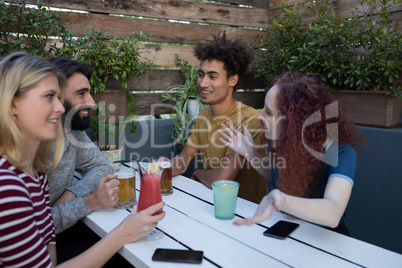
point(113, 155)
point(193, 108)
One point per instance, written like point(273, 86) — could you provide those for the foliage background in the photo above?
point(361, 51)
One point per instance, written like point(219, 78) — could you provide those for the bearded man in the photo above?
point(98, 189)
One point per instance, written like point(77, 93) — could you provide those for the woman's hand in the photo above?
point(269, 204)
point(235, 140)
point(138, 224)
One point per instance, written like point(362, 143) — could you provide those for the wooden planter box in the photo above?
point(371, 108)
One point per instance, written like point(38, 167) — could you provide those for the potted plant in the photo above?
point(113, 61)
point(186, 99)
point(111, 135)
point(117, 59)
point(359, 52)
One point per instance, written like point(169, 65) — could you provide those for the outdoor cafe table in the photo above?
point(190, 224)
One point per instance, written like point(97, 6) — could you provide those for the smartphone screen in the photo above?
point(281, 229)
point(178, 255)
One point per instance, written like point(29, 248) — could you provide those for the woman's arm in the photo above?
point(325, 211)
point(132, 228)
point(244, 145)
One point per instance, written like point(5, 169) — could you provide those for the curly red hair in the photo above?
point(301, 96)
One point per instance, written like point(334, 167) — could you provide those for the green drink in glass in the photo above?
point(225, 198)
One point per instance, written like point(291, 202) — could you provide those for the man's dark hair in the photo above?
point(69, 67)
point(234, 53)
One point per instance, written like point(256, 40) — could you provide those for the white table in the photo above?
point(190, 224)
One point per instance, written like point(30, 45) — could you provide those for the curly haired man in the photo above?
point(222, 62)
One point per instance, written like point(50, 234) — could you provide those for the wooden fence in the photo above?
point(175, 26)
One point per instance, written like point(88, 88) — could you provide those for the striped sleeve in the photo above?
point(50, 226)
point(24, 222)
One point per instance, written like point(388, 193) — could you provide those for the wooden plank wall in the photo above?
point(240, 18)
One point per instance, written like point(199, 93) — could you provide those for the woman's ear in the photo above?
point(14, 107)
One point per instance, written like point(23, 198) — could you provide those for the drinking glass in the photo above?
point(166, 177)
point(150, 194)
point(127, 193)
point(225, 197)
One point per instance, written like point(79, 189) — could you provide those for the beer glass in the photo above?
point(127, 193)
point(166, 177)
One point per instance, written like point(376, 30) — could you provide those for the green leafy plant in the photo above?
point(102, 127)
point(34, 30)
point(110, 58)
point(362, 51)
point(37, 30)
point(180, 95)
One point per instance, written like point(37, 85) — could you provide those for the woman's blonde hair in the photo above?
point(19, 73)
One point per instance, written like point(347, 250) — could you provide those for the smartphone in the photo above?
point(178, 255)
point(281, 229)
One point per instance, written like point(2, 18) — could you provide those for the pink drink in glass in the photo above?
point(150, 192)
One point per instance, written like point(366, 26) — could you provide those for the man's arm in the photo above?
point(230, 165)
point(181, 162)
point(67, 214)
point(66, 197)
point(93, 165)
point(68, 209)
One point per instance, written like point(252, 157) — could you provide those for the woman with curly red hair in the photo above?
point(313, 149)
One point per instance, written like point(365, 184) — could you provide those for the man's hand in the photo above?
point(105, 195)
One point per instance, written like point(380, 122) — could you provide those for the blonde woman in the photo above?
point(30, 110)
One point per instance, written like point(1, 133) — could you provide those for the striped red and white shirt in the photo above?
point(26, 225)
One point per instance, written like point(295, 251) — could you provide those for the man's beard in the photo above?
point(77, 123)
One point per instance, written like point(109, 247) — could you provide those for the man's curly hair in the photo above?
point(234, 53)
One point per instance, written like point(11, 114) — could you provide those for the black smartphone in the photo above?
point(281, 229)
point(178, 255)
